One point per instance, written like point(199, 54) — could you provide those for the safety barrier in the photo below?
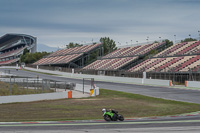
point(195, 84)
point(94, 92)
point(35, 97)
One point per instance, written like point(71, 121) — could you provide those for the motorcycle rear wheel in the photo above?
point(120, 117)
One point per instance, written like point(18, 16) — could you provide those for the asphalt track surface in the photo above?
point(166, 124)
point(152, 125)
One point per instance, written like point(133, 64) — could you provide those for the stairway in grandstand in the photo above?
point(181, 57)
point(68, 57)
point(123, 57)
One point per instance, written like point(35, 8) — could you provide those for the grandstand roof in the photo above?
point(9, 36)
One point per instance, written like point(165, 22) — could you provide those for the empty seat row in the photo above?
point(133, 51)
point(11, 53)
point(172, 64)
point(74, 50)
point(57, 59)
point(184, 48)
point(110, 64)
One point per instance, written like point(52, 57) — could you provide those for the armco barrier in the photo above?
point(33, 97)
point(195, 84)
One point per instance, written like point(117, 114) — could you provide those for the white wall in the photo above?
point(79, 87)
point(157, 82)
point(33, 97)
point(195, 84)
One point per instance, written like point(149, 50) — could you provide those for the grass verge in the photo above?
point(129, 105)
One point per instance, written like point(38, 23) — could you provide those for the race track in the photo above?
point(190, 123)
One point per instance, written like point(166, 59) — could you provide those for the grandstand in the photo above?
point(70, 57)
point(181, 57)
point(13, 45)
point(123, 57)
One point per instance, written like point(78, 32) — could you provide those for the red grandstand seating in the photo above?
point(188, 48)
point(57, 59)
point(188, 62)
point(109, 64)
point(74, 50)
point(170, 49)
point(11, 53)
point(8, 61)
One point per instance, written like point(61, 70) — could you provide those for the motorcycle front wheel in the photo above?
point(107, 118)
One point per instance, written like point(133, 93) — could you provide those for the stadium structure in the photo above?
point(124, 58)
point(13, 45)
point(76, 57)
point(177, 62)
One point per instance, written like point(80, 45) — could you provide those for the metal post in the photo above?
point(42, 86)
point(27, 85)
point(91, 84)
point(34, 86)
point(37, 82)
point(83, 85)
point(65, 86)
point(10, 86)
point(55, 86)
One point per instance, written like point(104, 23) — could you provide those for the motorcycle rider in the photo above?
point(112, 111)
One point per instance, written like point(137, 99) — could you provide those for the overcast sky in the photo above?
point(58, 22)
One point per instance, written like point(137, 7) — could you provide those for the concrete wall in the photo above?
point(157, 82)
point(79, 87)
point(195, 84)
point(33, 97)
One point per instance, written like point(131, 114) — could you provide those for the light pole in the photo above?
point(160, 39)
point(199, 34)
point(190, 36)
point(147, 41)
point(174, 39)
point(131, 42)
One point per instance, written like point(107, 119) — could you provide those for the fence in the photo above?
point(35, 85)
point(176, 77)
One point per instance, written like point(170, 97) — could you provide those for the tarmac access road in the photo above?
point(171, 93)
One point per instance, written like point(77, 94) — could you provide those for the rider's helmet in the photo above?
point(103, 110)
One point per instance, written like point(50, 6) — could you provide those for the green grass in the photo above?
point(129, 105)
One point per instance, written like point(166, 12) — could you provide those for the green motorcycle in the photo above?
point(111, 115)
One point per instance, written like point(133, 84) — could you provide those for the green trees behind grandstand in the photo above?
point(29, 58)
point(108, 45)
point(72, 45)
point(188, 40)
